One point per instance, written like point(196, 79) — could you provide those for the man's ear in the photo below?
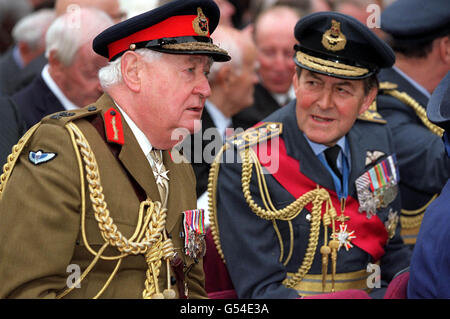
point(444, 49)
point(368, 99)
point(224, 75)
point(295, 81)
point(129, 67)
point(56, 66)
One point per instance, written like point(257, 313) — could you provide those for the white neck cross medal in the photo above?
point(160, 174)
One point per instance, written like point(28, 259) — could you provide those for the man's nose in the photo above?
point(203, 88)
point(325, 99)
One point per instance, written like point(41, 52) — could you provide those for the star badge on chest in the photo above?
point(344, 237)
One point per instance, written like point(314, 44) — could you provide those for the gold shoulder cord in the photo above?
point(12, 158)
point(412, 222)
point(418, 109)
point(317, 197)
point(149, 238)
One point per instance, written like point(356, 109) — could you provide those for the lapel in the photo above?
point(49, 102)
point(131, 155)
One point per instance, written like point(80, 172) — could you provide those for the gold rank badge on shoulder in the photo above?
point(255, 135)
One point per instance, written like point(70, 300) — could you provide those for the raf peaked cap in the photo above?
point(178, 27)
point(416, 20)
point(338, 45)
point(438, 109)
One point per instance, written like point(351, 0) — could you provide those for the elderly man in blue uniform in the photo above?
point(318, 207)
point(430, 264)
point(420, 38)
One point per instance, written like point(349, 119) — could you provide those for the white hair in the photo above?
point(136, 7)
point(73, 29)
point(31, 29)
point(229, 41)
point(111, 74)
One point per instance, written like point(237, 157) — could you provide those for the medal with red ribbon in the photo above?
point(194, 233)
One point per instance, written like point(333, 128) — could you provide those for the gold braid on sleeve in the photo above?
point(317, 197)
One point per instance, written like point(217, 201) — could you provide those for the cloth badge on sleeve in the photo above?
point(40, 157)
point(194, 233)
point(378, 187)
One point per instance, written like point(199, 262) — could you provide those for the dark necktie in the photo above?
point(331, 154)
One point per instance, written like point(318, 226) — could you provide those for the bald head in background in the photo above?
point(275, 41)
point(232, 83)
point(111, 7)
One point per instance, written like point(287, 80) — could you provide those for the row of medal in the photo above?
point(194, 233)
point(376, 188)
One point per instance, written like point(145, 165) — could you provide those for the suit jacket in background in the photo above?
point(264, 104)
point(36, 101)
point(194, 146)
point(29, 73)
point(14, 78)
point(9, 71)
point(12, 128)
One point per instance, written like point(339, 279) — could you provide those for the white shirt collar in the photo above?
point(320, 148)
point(282, 98)
point(220, 121)
point(66, 103)
point(142, 140)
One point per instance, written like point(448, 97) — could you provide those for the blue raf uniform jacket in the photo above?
point(250, 244)
point(424, 166)
point(430, 264)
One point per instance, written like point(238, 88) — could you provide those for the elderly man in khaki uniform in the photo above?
point(94, 202)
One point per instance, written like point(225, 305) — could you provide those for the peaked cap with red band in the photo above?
point(178, 27)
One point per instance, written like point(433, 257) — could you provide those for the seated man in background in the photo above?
point(70, 79)
point(29, 38)
point(274, 42)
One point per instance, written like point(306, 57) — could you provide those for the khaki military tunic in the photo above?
point(41, 242)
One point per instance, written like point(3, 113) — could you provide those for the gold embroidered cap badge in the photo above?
point(200, 23)
point(333, 39)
